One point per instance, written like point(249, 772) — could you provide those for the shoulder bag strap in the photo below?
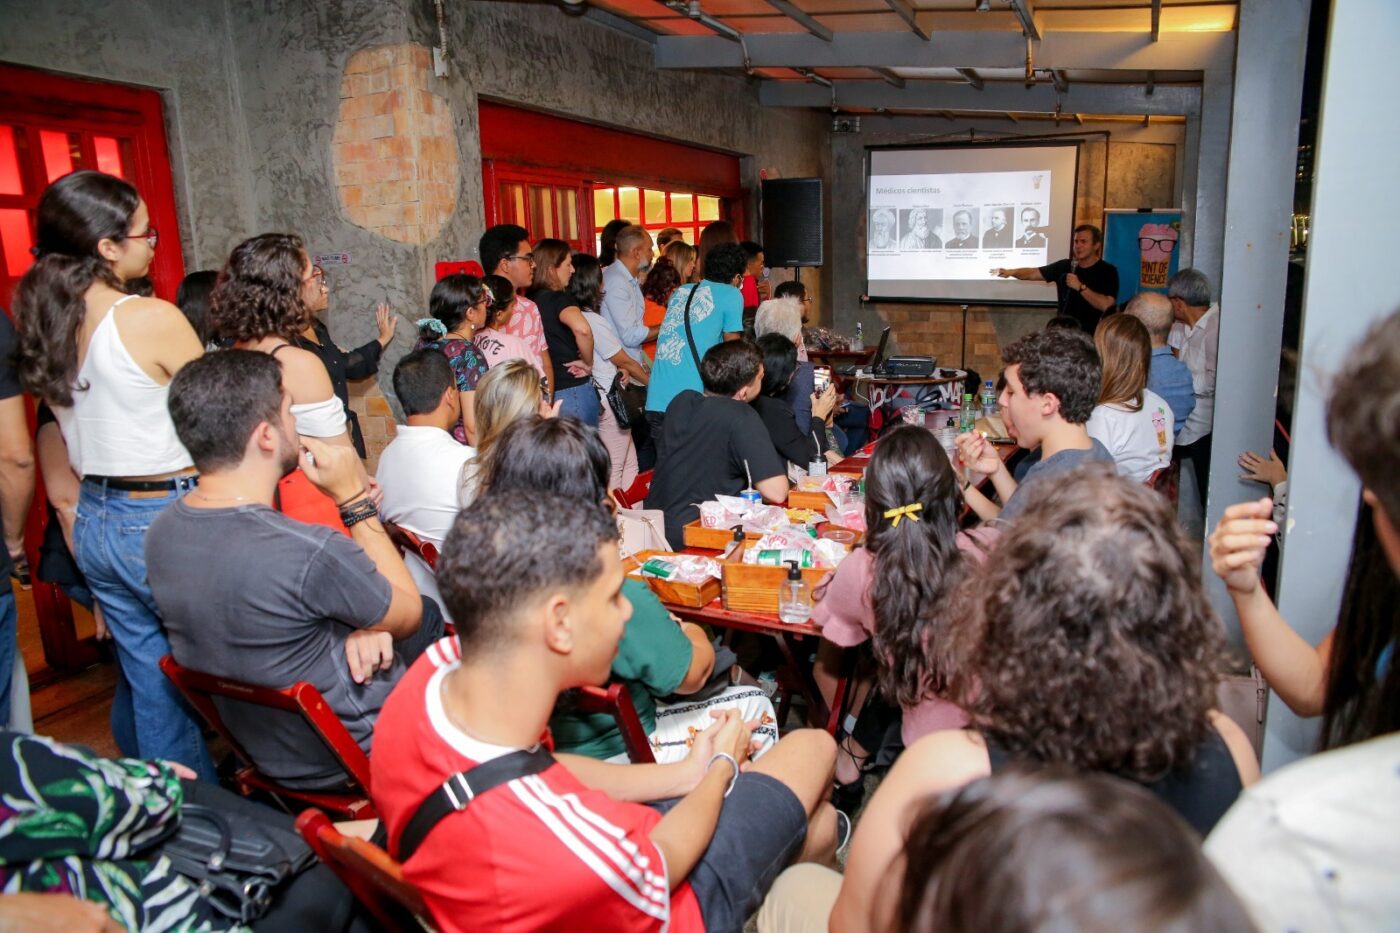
point(689, 337)
point(465, 786)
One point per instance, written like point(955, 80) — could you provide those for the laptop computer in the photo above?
point(849, 369)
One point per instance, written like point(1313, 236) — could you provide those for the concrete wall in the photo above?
point(1132, 169)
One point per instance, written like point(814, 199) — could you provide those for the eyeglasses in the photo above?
point(1148, 242)
point(528, 257)
point(318, 273)
point(807, 300)
point(151, 236)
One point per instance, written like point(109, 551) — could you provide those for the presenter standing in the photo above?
point(1086, 284)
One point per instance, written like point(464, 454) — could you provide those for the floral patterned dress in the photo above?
point(469, 365)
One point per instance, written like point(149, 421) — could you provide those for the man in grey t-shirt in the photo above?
point(1052, 385)
point(248, 593)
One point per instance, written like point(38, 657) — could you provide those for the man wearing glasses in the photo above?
point(505, 251)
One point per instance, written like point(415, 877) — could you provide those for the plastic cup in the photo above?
point(839, 535)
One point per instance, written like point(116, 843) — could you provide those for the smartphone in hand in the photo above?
point(822, 378)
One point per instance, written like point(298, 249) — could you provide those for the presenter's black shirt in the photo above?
point(1100, 278)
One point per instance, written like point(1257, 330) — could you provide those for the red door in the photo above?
point(50, 126)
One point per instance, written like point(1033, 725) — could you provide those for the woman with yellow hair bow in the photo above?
point(894, 591)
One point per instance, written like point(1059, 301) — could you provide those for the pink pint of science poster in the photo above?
point(1144, 247)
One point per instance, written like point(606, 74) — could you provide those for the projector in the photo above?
point(916, 366)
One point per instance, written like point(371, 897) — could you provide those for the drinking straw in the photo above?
point(748, 474)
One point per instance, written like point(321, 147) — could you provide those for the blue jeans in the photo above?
point(123, 718)
point(580, 402)
point(9, 622)
point(110, 540)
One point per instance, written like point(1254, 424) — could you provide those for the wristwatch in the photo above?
point(1081, 288)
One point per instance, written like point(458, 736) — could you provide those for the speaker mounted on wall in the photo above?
point(792, 221)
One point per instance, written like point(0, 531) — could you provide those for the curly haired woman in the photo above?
point(1087, 641)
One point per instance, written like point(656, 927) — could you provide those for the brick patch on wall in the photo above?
point(394, 154)
point(936, 330)
point(377, 423)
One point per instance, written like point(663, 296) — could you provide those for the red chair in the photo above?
point(371, 874)
point(617, 702)
point(1167, 481)
point(633, 496)
point(301, 698)
point(409, 543)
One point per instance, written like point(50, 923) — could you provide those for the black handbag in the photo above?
point(237, 862)
point(627, 402)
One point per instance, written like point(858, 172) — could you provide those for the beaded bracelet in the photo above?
point(359, 512)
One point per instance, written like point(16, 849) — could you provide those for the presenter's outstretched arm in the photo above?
point(1028, 274)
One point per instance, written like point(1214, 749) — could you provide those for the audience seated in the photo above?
point(698, 317)
point(1087, 641)
point(566, 331)
point(102, 359)
point(1313, 846)
point(1167, 375)
point(1052, 382)
point(610, 360)
point(715, 444)
point(457, 308)
point(248, 593)
point(535, 584)
point(497, 344)
point(784, 316)
point(1131, 421)
point(793, 288)
point(1197, 339)
point(658, 657)
point(263, 300)
point(424, 472)
point(895, 591)
point(779, 367)
point(505, 251)
point(1035, 850)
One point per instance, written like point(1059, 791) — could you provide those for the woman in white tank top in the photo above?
point(103, 360)
point(264, 299)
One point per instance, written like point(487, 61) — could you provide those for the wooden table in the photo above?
point(840, 357)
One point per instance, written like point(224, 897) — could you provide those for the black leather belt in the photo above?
point(187, 481)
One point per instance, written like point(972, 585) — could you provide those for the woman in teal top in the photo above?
point(716, 313)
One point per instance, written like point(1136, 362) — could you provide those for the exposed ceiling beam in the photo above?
point(1079, 118)
point(994, 124)
point(791, 11)
point(972, 78)
point(1124, 51)
point(890, 77)
point(1012, 117)
point(1156, 20)
point(906, 13)
point(995, 98)
point(621, 24)
point(1026, 14)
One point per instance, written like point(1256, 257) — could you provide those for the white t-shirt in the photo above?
point(422, 475)
point(1315, 845)
point(605, 347)
point(1140, 441)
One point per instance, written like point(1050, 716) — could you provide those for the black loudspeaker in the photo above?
point(792, 222)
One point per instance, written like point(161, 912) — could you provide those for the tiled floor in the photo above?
point(71, 708)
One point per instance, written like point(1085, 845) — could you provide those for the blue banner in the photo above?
point(1144, 247)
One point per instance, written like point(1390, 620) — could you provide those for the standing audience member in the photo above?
point(794, 446)
point(567, 332)
point(16, 493)
point(1314, 845)
point(1167, 376)
point(505, 251)
point(698, 318)
point(94, 234)
point(1199, 317)
point(609, 359)
point(192, 298)
point(793, 288)
point(535, 585)
point(623, 302)
point(713, 443)
point(667, 236)
point(895, 592)
point(360, 363)
point(494, 339)
point(458, 307)
point(424, 470)
point(1131, 421)
point(249, 593)
point(979, 858)
point(715, 234)
point(1053, 379)
point(263, 300)
point(658, 656)
point(661, 283)
point(1087, 642)
point(607, 241)
point(686, 260)
point(751, 286)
